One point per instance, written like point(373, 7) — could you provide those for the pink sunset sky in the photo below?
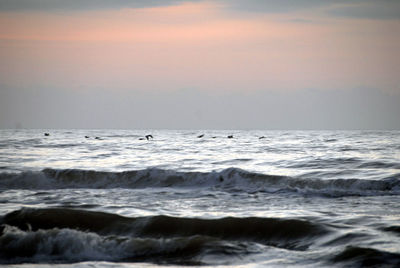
point(200, 64)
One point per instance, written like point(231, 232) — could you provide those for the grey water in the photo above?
point(112, 198)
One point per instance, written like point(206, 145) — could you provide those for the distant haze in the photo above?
point(200, 64)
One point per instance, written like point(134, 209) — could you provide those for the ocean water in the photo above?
point(261, 198)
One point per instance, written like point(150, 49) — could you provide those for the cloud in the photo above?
point(369, 9)
point(81, 5)
point(384, 9)
point(300, 21)
point(272, 6)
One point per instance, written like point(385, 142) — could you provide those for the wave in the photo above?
point(343, 163)
point(319, 163)
point(228, 179)
point(51, 234)
point(379, 164)
point(395, 229)
point(58, 145)
point(367, 257)
point(263, 230)
point(69, 246)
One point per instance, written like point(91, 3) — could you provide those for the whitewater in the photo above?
point(232, 198)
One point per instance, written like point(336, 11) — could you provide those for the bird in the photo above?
point(200, 136)
point(148, 137)
point(230, 136)
point(262, 137)
point(87, 137)
point(47, 134)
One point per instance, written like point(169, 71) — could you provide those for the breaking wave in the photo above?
point(68, 246)
point(228, 179)
point(52, 234)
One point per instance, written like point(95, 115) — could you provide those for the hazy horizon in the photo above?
point(303, 65)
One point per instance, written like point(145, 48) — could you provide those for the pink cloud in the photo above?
point(197, 45)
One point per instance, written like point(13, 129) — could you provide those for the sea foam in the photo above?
point(229, 179)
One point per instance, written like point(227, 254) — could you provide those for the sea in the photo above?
point(226, 198)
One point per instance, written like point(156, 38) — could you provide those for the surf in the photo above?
point(231, 179)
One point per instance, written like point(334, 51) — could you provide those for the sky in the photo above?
point(219, 64)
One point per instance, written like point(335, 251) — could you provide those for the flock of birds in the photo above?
point(149, 137)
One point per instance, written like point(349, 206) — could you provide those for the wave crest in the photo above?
point(68, 246)
point(228, 179)
point(263, 230)
point(60, 234)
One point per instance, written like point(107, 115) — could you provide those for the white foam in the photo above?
point(228, 179)
point(69, 245)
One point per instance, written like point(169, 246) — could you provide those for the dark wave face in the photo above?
point(71, 246)
point(37, 235)
point(367, 257)
point(229, 179)
point(263, 230)
point(60, 235)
